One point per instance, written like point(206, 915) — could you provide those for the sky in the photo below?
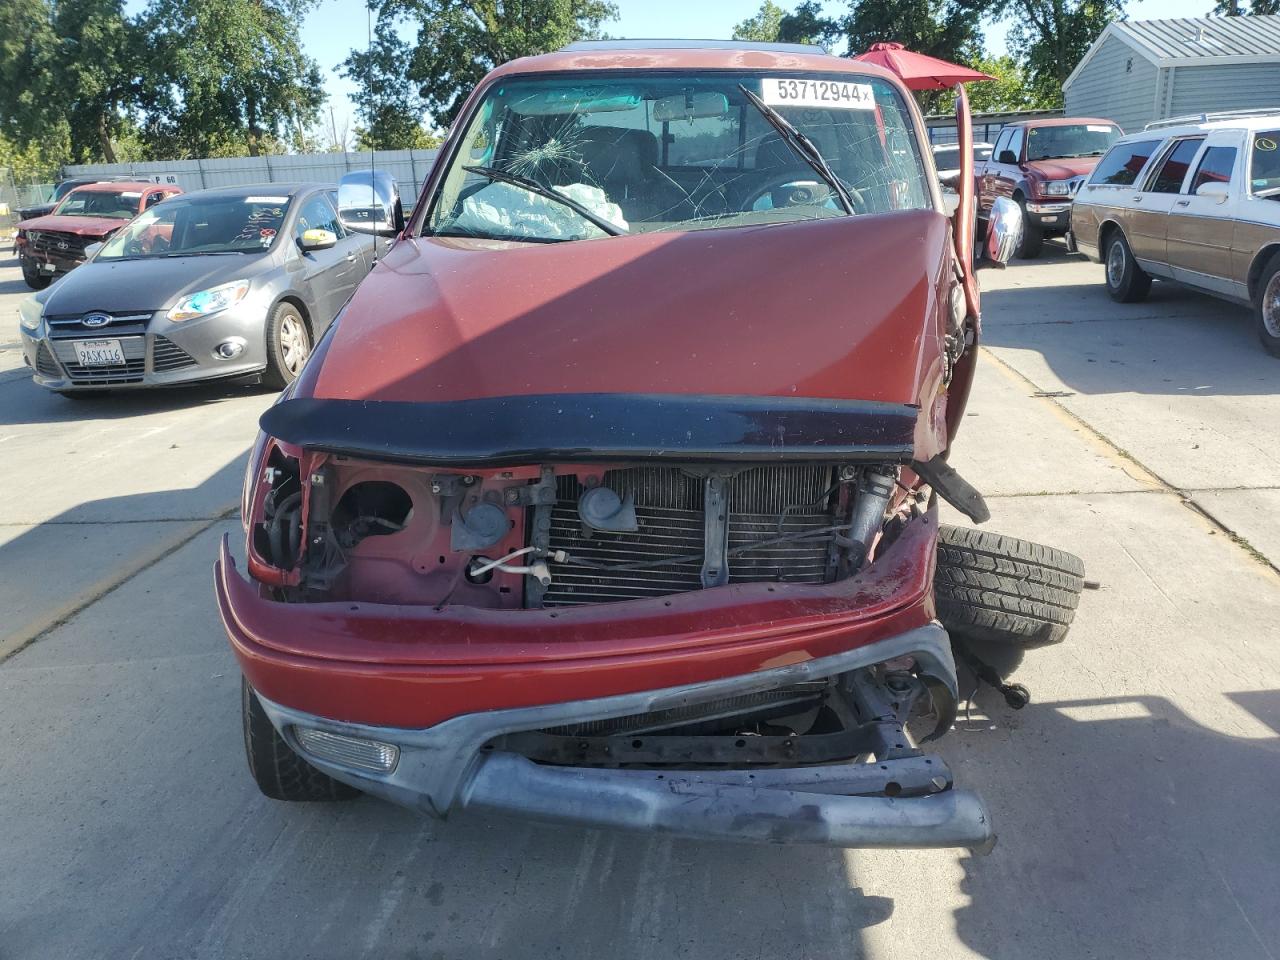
point(335, 26)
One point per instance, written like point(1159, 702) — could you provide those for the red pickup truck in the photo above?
point(1040, 164)
point(52, 245)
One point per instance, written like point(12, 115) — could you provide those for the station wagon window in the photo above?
point(1215, 167)
point(1168, 179)
point(1264, 170)
point(1122, 164)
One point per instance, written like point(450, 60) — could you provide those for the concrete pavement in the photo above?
point(1135, 797)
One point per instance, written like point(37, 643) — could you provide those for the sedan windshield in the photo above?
point(596, 155)
point(1070, 140)
point(190, 226)
point(113, 204)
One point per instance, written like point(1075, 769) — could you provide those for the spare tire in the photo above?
point(996, 589)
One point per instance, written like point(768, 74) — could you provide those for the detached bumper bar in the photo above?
point(723, 809)
point(904, 802)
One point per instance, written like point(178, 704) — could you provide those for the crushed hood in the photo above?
point(843, 308)
point(81, 226)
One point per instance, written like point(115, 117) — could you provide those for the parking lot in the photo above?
point(1135, 797)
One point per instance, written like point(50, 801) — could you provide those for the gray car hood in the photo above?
point(144, 286)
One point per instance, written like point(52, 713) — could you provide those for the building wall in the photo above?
point(1226, 86)
point(1118, 84)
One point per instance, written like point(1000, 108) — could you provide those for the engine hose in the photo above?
point(283, 513)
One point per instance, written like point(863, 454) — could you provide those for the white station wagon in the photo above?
point(1195, 200)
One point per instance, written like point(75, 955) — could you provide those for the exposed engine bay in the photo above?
point(564, 535)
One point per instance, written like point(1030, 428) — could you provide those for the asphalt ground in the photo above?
point(1136, 796)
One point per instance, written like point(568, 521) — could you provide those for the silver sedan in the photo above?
point(225, 283)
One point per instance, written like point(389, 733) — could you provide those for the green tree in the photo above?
point(68, 72)
point(763, 26)
point(1049, 37)
point(459, 41)
point(938, 28)
point(232, 75)
point(385, 98)
point(1235, 8)
point(1008, 91)
point(808, 24)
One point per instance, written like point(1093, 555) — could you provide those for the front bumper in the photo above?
point(446, 767)
point(157, 353)
point(1050, 215)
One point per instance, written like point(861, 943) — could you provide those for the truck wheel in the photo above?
point(1126, 281)
point(279, 772)
point(991, 588)
point(34, 278)
point(1032, 236)
point(288, 345)
point(1269, 307)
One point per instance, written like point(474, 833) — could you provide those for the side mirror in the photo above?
point(92, 249)
point(1007, 156)
point(1004, 231)
point(1216, 189)
point(317, 239)
point(369, 202)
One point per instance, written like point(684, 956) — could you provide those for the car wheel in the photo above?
point(1126, 281)
point(1032, 236)
point(1269, 307)
point(277, 770)
point(34, 278)
point(288, 345)
point(991, 588)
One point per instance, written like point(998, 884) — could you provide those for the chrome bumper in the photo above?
point(445, 768)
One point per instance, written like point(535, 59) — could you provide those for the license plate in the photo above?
point(48, 267)
point(1051, 219)
point(98, 353)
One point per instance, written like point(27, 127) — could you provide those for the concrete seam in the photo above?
point(1185, 497)
point(13, 644)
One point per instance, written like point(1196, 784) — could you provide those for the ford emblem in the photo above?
point(95, 319)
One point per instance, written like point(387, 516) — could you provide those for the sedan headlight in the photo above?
point(209, 301)
point(29, 311)
point(1057, 188)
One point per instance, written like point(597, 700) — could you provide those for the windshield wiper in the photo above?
point(206, 253)
point(802, 145)
point(1270, 193)
point(502, 176)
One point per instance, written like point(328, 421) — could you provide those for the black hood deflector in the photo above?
point(598, 427)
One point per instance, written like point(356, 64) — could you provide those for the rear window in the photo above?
point(1216, 167)
point(1122, 164)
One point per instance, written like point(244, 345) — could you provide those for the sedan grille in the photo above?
point(45, 365)
point(167, 355)
point(763, 503)
point(135, 354)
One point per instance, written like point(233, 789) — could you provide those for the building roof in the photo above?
point(1194, 41)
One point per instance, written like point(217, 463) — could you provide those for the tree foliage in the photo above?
point(1237, 8)
point(231, 71)
point(1010, 90)
point(1049, 37)
point(763, 26)
point(459, 41)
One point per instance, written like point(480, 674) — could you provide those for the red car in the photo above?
point(54, 244)
point(1040, 164)
point(610, 498)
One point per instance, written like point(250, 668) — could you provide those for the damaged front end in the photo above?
point(707, 616)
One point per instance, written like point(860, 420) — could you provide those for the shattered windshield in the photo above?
point(590, 155)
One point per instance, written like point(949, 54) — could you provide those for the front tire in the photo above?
point(33, 277)
point(1032, 236)
point(277, 770)
point(1268, 305)
point(288, 346)
point(993, 589)
point(1126, 281)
